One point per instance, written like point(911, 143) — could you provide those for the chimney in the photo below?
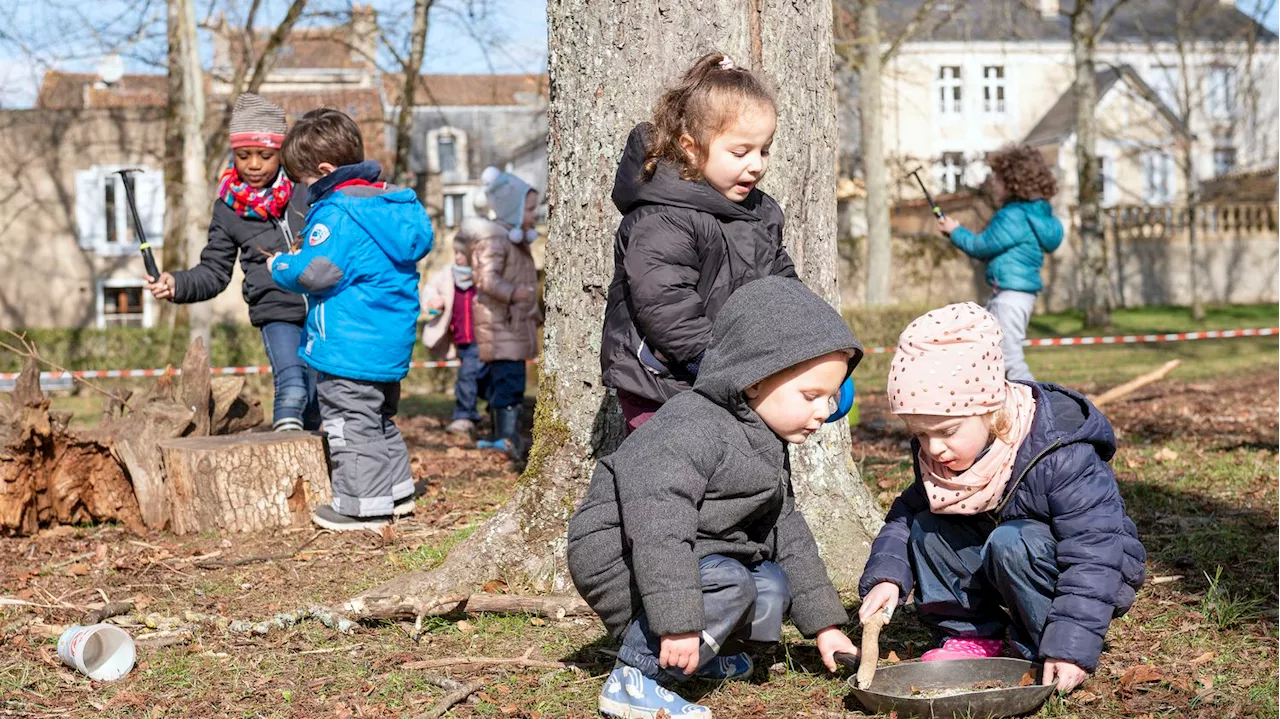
point(1048, 9)
point(363, 34)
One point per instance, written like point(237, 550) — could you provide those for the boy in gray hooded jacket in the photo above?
point(688, 542)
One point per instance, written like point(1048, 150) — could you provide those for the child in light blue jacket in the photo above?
point(357, 263)
point(1014, 244)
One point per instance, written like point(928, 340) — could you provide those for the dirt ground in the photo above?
point(1198, 467)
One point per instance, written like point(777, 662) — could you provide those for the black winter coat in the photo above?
point(681, 249)
point(1060, 478)
point(231, 234)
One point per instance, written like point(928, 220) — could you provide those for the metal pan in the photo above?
point(898, 688)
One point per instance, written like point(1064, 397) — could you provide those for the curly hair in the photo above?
point(1023, 172)
point(709, 97)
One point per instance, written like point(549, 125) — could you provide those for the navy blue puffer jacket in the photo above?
point(1060, 478)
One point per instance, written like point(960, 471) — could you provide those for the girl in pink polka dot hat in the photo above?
point(1014, 535)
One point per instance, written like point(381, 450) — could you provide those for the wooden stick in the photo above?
point(453, 697)
point(487, 662)
point(870, 648)
point(29, 351)
point(108, 610)
point(209, 563)
point(1135, 384)
point(552, 606)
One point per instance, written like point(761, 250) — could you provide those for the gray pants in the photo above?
point(1012, 309)
point(369, 463)
point(741, 603)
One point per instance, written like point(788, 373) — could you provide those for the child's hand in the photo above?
point(884, 594)
point(435, 304)
point(679, 650)
point(1066, 675)
point(271, 260)
point(830, 641)
point(946, 225)
point(162, 288)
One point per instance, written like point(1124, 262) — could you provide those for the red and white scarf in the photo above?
point(256, 204)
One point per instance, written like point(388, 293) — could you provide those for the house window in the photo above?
point(453, 210)
point(952, 171)
point(447, 151)
point(949, 90)
point(1157, 178)
point(1163, 79)
point(993, 90)
point(1220, 101)
point(122, 303)
point(1224, 160)
point(104, 223)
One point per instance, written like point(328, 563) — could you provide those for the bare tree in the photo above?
point(1096, 289)
point(412, 73)
point(596, 97)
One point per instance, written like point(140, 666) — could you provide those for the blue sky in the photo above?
point(509, 37)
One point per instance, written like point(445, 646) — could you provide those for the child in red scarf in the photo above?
point(257, 213)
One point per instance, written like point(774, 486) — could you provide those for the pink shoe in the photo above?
point(964, 648)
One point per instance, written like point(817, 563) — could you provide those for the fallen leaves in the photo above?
point(1203, 658)
point(1165, 455)
point(1140, 674)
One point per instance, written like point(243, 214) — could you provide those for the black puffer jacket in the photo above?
point(682, 248)
point(231, 234)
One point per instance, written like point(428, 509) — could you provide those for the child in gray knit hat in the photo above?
point(256, 213)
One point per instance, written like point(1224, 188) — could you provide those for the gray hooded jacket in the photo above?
point(707, 476)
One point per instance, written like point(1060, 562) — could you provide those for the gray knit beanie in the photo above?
point(256, 122)
point(506, 194)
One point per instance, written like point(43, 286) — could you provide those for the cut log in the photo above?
point(233, 411)
point(244, 483)
point(134, 442)
point(193, 387)
point(1135, 384)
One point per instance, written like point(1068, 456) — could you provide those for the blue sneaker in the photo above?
point(734, 666)
point(628, 694)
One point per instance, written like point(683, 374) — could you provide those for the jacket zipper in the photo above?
point(994, 514)
point(320, 319)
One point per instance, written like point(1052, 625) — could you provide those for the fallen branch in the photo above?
point(552, 606)
point(457, 695)
point(160, 640)
point(1135, 384)
point(489, 662)
point(108, 610)
point(284, 620)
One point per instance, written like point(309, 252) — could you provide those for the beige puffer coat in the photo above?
point(505, 329)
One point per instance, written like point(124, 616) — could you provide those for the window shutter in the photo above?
point(91, 221)
point(148, 188)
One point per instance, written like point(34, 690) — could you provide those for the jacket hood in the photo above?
point(1046, 228)
point(1064, 416)
point(630, 189)
point(768, 325)
point(392, 217)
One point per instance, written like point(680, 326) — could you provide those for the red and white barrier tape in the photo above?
point(1044, 342)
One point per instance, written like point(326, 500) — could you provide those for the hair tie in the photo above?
point(726, 63)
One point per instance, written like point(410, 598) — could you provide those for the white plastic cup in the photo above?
point(103, 652)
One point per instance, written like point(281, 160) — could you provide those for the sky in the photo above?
point(501, 36)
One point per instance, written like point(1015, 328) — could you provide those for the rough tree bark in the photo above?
point(1095, 279)
point(195, 187)
point(873, 165)
point(608, 62)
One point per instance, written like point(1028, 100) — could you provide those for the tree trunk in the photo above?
point(1095, 279)
point(1193, 238)
point(408, 91)
point(195, 191)
point(599, 89)
point(873, 165)
point(245, 482)
point(173, 255)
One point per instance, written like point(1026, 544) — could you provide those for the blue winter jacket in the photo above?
point(1060, 478)
point(1014, 244)
point(358, 266)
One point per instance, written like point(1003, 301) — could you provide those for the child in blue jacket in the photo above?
point(357, 263)
point(1014, 244)
point(1014, 528)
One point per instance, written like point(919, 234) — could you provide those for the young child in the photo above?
point(506, 304)
point(357, 264)
point(449, 300)
point(688, 543)
point(695, 228)
point(1014, 244)
point(1014, 526)
point(257, 212)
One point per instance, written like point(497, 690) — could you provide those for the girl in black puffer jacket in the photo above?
point(257, 214)
point(695, 228)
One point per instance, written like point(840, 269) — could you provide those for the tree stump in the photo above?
point(244, 483)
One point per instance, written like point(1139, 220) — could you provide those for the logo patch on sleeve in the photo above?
point(281, 265)
point(318, 235)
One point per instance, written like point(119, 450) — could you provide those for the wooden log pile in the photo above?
point(117, 472)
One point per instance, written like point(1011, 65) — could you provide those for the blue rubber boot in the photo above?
point(720, 668)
